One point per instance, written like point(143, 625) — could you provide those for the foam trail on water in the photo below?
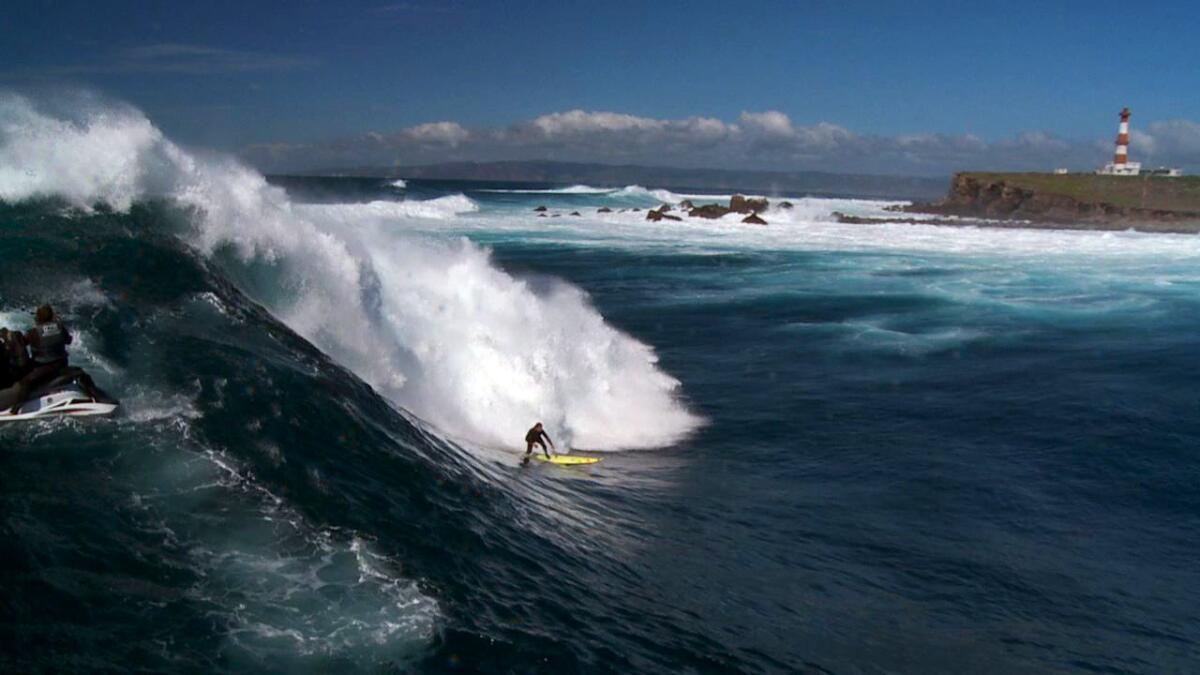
point(433, 325)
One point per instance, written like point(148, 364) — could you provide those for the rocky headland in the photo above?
point(1070, 201)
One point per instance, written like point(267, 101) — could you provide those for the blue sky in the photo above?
point(305, 74)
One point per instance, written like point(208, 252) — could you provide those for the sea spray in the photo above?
point(435, 326)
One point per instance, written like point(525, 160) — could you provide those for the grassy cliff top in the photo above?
point(1167, 194)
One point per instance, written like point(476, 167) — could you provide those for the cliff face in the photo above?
point(1080, 201)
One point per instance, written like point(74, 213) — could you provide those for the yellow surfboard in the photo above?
point(567, 459)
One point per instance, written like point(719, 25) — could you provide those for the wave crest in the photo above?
point(571, 190)
point(435, 326)
point(439, 208)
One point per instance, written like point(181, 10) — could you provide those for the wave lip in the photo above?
point(97, 155)
point(498, 355)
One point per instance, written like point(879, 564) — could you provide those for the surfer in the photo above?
point(534, 437)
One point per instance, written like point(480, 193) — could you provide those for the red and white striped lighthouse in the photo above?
point(1121, 166)
point(1122, 156)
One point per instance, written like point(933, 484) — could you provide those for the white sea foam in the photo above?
point(399, 183)
point(434, 325)
point(110, 158)
point(641, 192)
point(140, 404)
point(811, 226)
point(440, 208)
point(669, 197)
point(571, 190)
point(285, 589)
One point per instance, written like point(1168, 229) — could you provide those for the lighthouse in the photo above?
point(1121, 159)
point(1121, 166)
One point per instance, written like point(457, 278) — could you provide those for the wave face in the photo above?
point(256, 507)
point(199, 530)
point(437, 328)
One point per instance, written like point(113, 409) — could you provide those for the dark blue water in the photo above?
point(923, 450)
point(1022, 499)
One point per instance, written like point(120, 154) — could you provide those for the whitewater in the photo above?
point(826, 447)
point(433, 325)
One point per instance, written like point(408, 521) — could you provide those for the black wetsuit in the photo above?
point(14, 359)
point(14, 366)
point(48, 348)
point(534, 437)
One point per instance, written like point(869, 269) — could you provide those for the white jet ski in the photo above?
point(64, 396)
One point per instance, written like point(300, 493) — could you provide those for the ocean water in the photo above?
point(826, 448)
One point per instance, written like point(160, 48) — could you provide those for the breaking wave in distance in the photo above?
point(438, 208)
point(570, 190)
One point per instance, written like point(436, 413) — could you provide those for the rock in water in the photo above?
point(710, 211)
point(603, 209)
point(741, 204)
point(656, 216)
point(753, 219)
point(540, 208)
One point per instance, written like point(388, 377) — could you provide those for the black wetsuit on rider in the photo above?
point(534, 437)
point(48, 341)
point(14, 358)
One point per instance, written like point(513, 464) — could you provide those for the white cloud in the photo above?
point(443, 133)
point(705, 128)
point(771, 123)
point(1171, 139)
point(581, 122)
point(1145, 143)
point(756, 140)
point(825, 136)
point(1037, 140)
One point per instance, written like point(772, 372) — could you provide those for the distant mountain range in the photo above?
point(608, 175)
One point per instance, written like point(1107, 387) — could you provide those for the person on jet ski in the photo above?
point(14, 357)
point(48, 341)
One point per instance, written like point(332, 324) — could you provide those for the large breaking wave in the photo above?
point(432, 324)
